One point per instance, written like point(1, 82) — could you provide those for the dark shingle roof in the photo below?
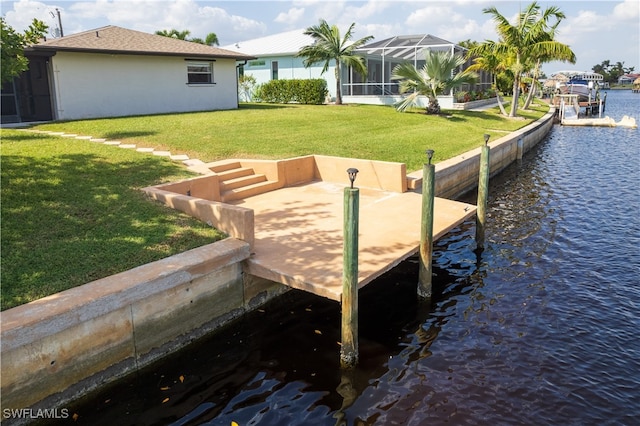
point(117, 40)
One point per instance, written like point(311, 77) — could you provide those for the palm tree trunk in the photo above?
point(338, 94)
point(534, 83)
point(495, 85)
point(532, 90)
point(516, 95)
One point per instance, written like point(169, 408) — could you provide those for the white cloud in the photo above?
point(291, 17)
point(629, 10)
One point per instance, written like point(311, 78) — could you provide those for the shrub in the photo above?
point(312, 91)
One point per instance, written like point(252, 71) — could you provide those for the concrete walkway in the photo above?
point(299, 238)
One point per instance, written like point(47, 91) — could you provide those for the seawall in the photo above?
point(61, 347)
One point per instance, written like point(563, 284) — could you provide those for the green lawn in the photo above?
point(72, 211)
point(283, 131)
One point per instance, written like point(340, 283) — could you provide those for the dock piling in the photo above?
point(349, 347)
point(426, 228)
point(483, 194)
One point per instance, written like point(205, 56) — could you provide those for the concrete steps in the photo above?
point(237, 182)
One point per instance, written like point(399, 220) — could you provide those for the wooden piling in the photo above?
point(483, 195)
point(426, 230)
point(349, 348)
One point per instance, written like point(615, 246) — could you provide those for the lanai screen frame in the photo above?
point(382, 56)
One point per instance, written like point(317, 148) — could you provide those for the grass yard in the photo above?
point(72, 211)
point(283, 131)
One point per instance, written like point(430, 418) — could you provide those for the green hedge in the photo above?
point(312, 91)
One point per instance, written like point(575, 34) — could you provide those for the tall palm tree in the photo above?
point(438, 75)
point(527, 38)
point(330, 47)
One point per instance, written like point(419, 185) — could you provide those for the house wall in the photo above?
point(289, 67)
point(88, 85)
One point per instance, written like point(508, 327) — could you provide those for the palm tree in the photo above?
point(173, 33)
point(328, 47)
point(530, 37)
point(546, 54)
point(438, 75)
point(495, 65)
point(211, 40)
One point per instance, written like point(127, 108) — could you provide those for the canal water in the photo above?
point(541, 328)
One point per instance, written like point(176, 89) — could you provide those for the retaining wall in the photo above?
point(459, 174)
point(58, 348)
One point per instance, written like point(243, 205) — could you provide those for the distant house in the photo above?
point(627, 78)
point(276, 59)
point(113, 71)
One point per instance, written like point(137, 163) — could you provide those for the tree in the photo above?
point(173, 33)
point(438, 75)
point(246, 86)
point(12, 47)
point(210, 40)
point(495, 65)
point(530, 37)
point(546, 54)
point(329, 47)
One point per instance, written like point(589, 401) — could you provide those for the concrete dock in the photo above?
point(299, 235)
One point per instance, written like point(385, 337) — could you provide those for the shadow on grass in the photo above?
point(73, 218)
point(262, 106)
point(127, 134)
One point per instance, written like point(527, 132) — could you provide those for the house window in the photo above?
point(274, 70)
point(200, 72)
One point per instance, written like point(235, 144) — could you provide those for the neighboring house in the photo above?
point(382, 56)
point(276, 59)
point(627, 78)
point(113, 71)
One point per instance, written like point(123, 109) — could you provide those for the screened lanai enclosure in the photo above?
point(382, 56)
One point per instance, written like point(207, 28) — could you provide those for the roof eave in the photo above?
point(54, 50)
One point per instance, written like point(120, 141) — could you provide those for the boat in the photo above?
point(582, 83)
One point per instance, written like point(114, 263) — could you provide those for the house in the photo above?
point(627, 78)
point(382, 57)
point(276, 60)
point(113, 71)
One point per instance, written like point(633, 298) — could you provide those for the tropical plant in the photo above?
point(173, 33)
point(246, 87)
point(438, 75)
point(495, 65)
point(210, 40)
point(12, 46)
point(529, 40)
point(330, 47)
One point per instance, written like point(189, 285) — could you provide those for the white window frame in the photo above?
point(198, 69)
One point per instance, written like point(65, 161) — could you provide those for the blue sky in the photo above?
point(595, 30)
